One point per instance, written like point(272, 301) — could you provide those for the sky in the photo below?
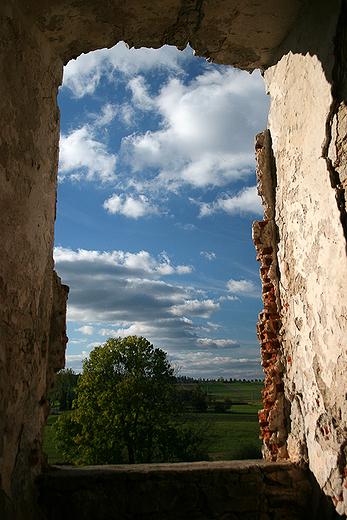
point(156, 199)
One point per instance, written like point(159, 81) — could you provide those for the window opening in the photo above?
point(156, 198)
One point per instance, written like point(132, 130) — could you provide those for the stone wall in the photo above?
point(32, 300)
point(312, 259)
point(243, 490)
point(301, 46)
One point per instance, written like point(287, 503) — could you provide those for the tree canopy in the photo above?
point(127, 409)
point(63, 391)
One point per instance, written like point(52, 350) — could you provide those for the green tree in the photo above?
point(194, 400)
point(127, 409)
point(63, 391)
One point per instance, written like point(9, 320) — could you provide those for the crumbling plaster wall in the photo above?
point(300, 45)
point(307, 138)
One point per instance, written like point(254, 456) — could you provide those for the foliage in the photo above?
point(62, 393)
point(127, 409)
point(193, 399)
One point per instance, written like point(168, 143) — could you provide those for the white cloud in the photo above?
point(110, 333)
point(118, 263)
point(122, 294)
point(193, 363)
point(184, 269)
point(140, 95)
point(240, 286)
point(83, 156)
point(204, 136)
point(129, 206)
point(83, 75)
point(187, 227)
point(108, 114)
point(211, 365)
point(86, 329)
point(92, 345)
point(217, 343)
point(204, 308)
point(232, 298)
point(246, 201)
point(207, 255)
point(214, 326)
point(76, 358)
point(126, 287)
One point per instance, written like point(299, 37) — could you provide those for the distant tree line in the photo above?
point(221, 379)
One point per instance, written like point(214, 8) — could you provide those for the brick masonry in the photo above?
point(272, 419)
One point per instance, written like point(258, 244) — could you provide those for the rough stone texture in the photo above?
point(302, 44)
point(29, 289)
point(242, 33)
point(312, 258)
point(247, 490)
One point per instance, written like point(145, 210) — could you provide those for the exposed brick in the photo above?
point(269, 322)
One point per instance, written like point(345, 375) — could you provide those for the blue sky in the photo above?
point(156, 198)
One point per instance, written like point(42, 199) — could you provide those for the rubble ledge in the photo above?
point(252, 489)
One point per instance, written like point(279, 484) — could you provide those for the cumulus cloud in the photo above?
point(241, 286)
point(122, 286)
point(204, 308)
point(129, 206)
point(82, 155)
point(86, 329)
point(194, 363)
point(214, 326)
point(82, 76)
point(122, 294)
point(187, 227)
point(203, 136)
point(217, 343)
point(75, 360)
point(117, 263)
point(247, 201)
point(107, 115)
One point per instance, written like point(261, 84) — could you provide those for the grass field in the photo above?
point(54, 457)
point(234, 435)
point(240, 391)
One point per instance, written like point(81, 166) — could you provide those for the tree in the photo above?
point(127, 409)
point(194, 400)
point(63, 391)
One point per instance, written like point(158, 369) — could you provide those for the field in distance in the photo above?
point(231, 412)
point(233, 407)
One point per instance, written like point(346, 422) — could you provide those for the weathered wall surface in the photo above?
point(243, 490)
point(237, 32)
point(312, 258)
point(273, 417)
point(302, 44)
point(30, 292)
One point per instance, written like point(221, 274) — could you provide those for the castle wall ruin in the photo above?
point(300, 45)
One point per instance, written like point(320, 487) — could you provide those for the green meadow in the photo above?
point(232, 435)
